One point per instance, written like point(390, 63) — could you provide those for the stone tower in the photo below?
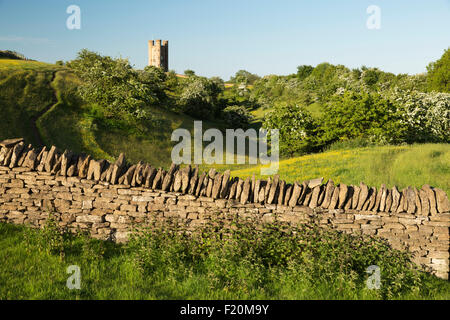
point(158, 54)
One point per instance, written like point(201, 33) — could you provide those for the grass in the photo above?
point(67, 124)
point(14, 65)
point(152, 143)
point(402, 166)
point(25, 92)
point(271, 263)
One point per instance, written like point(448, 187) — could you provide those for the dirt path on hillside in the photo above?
point(34, 119)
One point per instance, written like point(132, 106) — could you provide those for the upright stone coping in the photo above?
point(107, 198)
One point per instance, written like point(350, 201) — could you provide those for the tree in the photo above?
point(244, 77)
point(219, 82)
point(324, 80)
point(439, 73)
point(304, 71)
point(426, 115)
point(172, 81)
point(199, 97)
point(237, 116)
point(356, 74)
point(362, 115)
point(370, 76)
point(154, 78)
point(189, 73)
point(114, 85)
point(298, 130)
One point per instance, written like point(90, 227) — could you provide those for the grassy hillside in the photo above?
point(25, 93)
point(393, 165)
point(38, 102)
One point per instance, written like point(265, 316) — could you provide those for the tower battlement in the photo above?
point(158, 54)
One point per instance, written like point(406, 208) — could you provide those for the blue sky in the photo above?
point(217, 38)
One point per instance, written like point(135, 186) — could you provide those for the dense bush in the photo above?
point(298, 130)
point(366, 104)
point(244, 77)
point(242, 257)
point(56, 240)
point(115, 85)
point(343, 104)
point(199, 97)
point(237, 116)
point(324, 80)
point(426, 116)
point(125, 93)
point(247, 260)
point(271, 91)
point(370, 116)
point(304, 71)
point(439, 73)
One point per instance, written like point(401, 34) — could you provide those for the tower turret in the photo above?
point(158, 54)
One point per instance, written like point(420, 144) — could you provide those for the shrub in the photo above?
point(298, 129)
point(304, 71)
point(237, 116)
point(362, 115)
point(439, 73)
point(199, 97)
point(247, 255)
point(114, 85)
point(426, 116)
point(244, 77)
point(51, 240)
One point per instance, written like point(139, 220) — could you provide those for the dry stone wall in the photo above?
point(106, 199)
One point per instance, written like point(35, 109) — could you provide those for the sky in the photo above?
point(218, 38)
